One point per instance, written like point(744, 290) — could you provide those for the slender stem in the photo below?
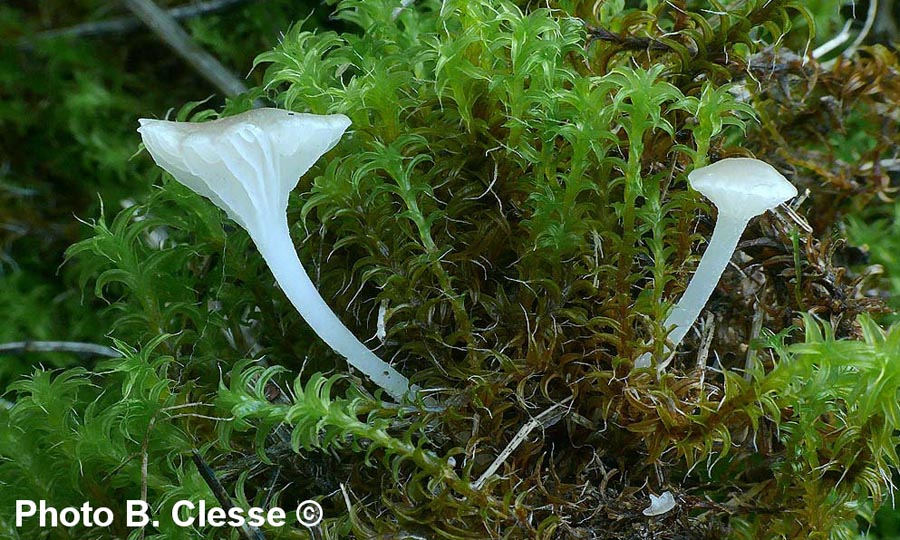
point(249, 532)
point(168, 29)
point(278, 251)
point(725, 238)
point(76, 347)
point(121, 25)
point(724, 241)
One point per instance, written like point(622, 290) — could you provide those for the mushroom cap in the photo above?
point(246, 164)
point(744, 187)
point(661, 504)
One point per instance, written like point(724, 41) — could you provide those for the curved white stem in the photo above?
point(726, 235)
point(278, 251)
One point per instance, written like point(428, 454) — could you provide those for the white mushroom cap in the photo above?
point(742, 186)
point(660, 505)
point(246, 164)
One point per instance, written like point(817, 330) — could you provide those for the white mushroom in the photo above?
point(247, 165)
point(660, 505)
point(741, 189)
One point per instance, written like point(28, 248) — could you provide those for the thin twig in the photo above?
point(543, 420)
point(209, 476)
point(167, 28)
point(709, 327)
point(145, 465)
point(626, 42)
point(87, 349)
point(755, 328)
point(123, 25)
point(270, 488)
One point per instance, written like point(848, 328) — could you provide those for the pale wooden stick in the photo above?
point(543, 420)
point(92, 349)
point(122, 25)
point(167, 28)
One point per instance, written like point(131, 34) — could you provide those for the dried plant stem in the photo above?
point(168, 29)
point(88, 349)
point(122, 25)
point(209, 476)
point(543, 420)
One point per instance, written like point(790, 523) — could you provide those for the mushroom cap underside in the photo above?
point(742, 186)
point(246, 164)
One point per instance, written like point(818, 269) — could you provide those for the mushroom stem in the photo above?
point(279, 252)
point(741, 188)
point(726, 235)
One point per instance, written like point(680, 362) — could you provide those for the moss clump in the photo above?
point(511, 207)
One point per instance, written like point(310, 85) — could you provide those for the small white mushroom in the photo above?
point(660, 505)
point(741, 189)
point(247, 165)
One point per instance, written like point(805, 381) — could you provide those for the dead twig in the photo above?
point(167, 28)
point(77, 347)
point(626, 42)
point(543, 420)
point(209, 476)
point(124, 25)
